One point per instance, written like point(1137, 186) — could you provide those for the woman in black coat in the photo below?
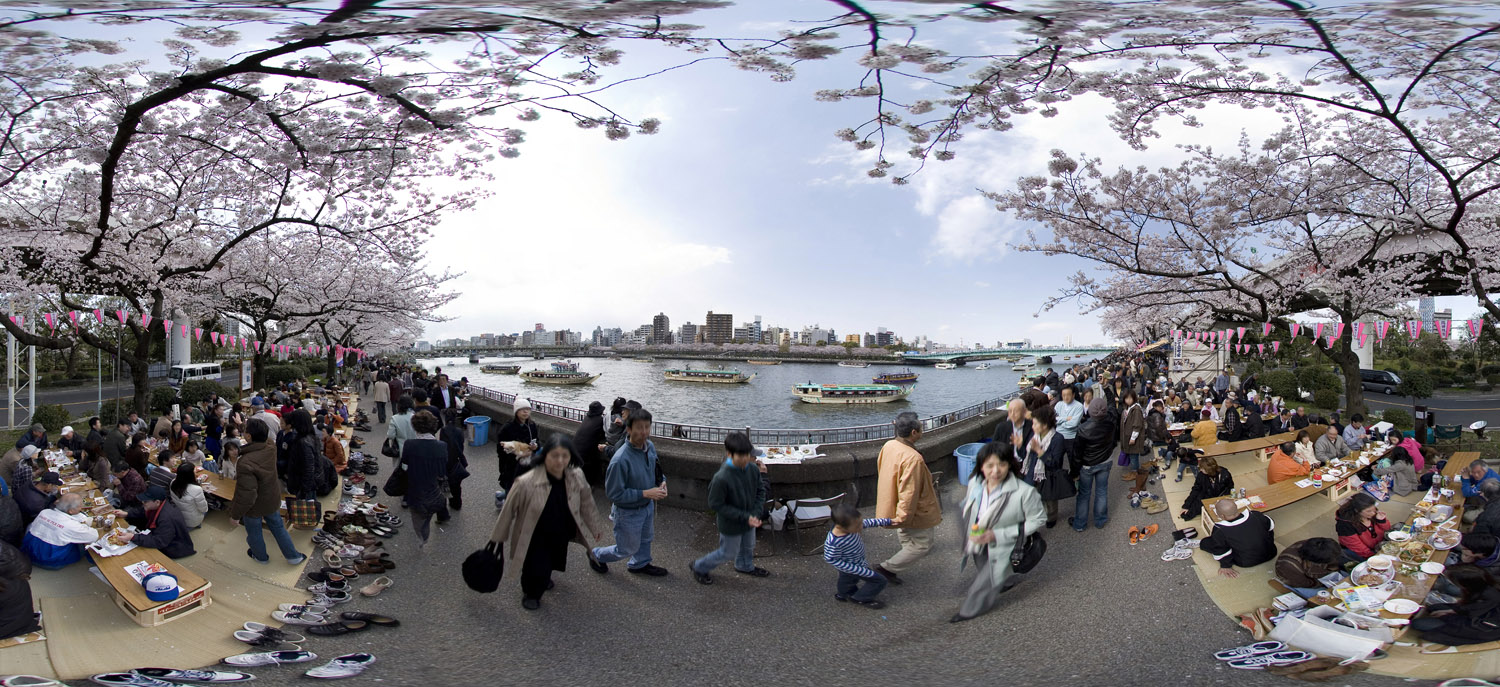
point(1044, 467)
point(425, 459)
point(516, 441)
point(588, 439)
point(16, 615)
point(304, 478)
point(452, 435)
point(1475, 619)
point(1212, 481)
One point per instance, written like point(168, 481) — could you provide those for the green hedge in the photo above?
point(198, 390)
point(1490, 370)
point(1326, 398)
point(1282, 383)
point(162, 399)
point(1417, 383)
point(1399, 418)
point(279, 374)
point(1315, 377)
point(53, 417)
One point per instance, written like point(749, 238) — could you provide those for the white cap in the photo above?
point(67, 430)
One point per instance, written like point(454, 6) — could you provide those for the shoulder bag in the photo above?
point(396, 484)
point(1028, 551)
point(483, 568)
point(389, 449)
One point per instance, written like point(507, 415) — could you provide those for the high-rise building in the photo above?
point(1444, 315)
point(851, 339)
point(687, 333)
point(884, 337)
point(540, 327)
point(869, 340)
point(1426, 308)
point(661, 329)
point(528, 338)
point(720, 327)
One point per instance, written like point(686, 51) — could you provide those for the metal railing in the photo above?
point(761, 437)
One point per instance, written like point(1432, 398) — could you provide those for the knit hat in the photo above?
point(1097, 407)
point(520, 405)
point(28, 451)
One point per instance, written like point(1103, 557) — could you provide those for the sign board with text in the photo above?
point(246, 374)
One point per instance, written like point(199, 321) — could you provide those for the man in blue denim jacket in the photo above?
point(633, 484)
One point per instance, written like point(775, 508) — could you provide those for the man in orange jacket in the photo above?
point(1284, 465)
point(905, 494)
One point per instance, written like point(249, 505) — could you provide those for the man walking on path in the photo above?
point(628, 482)
point(382, 397)
point(736, 495)
point(906, 496)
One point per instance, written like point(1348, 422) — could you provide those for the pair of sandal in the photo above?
point(1138, 535)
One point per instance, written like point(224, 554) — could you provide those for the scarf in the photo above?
point(1039, 467)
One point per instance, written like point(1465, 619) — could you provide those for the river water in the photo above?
point(765, 402)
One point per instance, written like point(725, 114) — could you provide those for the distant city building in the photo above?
point(1444, 315)
point(1426, 308)
point(661, 329)
point(884, 337)
point(687, 333)
point(423, 346)
point(851, 339)
point(869, 340)
point(528, 339)
point(1024, 343)
point(720, 327)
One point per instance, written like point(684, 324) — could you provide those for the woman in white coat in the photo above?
point(997, 503)
point(188, 496)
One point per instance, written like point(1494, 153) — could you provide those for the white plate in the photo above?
point(1402, 606)
point(1433, 568)
point(1397, 535)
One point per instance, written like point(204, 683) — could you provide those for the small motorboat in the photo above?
point(946, 366)
point(852, 363)
point(982, 366)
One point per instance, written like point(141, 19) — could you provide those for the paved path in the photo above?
point(1454, 409)
point(1096, 612)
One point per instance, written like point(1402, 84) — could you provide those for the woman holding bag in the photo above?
point(549, 506)
point(998, 507)
point(1044, 467)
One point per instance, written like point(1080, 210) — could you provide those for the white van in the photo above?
point(188, 373)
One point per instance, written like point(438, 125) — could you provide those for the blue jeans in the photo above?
point(1183, 465)
point(257, 541)
point(1093, 478)
point(634, 530)
point(849, 586)
point(1134, 462)
point(741, 546)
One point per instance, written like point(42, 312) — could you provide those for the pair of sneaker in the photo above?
point(1180, 551)
point(1261, 655)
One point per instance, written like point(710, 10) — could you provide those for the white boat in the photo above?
point(709, 376)
point(982, 366)
point(946, 366)
point(501, 369)
point(1020, 367)
point(851, 393)
point(852, 363)
point(561, 373)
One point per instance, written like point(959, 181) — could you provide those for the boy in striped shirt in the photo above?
point(845, 551)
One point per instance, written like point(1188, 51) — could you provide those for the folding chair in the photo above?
point(804, 513)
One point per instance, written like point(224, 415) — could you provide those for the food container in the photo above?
point(1397, 536)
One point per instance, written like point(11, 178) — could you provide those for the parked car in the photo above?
point(1383, 381)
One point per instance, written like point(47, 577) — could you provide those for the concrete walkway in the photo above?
point(1096, 612)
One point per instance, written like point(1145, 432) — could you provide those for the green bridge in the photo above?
point(961, 357)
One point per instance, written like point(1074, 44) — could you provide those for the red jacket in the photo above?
point(1364, 541)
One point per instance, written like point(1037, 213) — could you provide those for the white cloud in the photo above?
point(969, 228)
point(982, 284)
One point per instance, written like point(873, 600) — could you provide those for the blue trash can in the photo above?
point(966, 455)
point(479, 430)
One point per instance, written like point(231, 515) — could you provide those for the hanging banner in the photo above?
point(1359, 338)
point(1275, 346)
point(1338, 330)
point(1241, 332)
point(145, 320)
point(1414, 328)
point(1444, 328)
point(214, 337)
point(120, 314)
point(73, 317)
point(1381, 329)
point(1474, 327)
point(1295, 328)
point(1265, 329)
point(1318, 330)
point(1359, 331)
point(166, 326)
point(99, 315)
point(1261, 348)
point(257, 347)
point(51, 321)
point(198, 333)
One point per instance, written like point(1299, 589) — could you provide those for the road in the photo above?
point(83, 400)
point(1457, 409)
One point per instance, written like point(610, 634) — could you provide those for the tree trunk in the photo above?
point(1348, 361)
point(140, 380)
point(71, 367)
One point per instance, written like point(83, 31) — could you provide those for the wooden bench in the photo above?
point(1260, 447)
point(130, 596)
point(215, 485)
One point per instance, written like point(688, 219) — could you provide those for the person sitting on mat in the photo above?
point(1303, 564)
point(167, 532)
point(1239, 539)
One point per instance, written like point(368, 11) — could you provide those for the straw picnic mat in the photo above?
point(90, 635)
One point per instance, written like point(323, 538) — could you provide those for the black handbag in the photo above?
point(1028, 551)
point(483, 568)
point(390, 449)
point(396, 484)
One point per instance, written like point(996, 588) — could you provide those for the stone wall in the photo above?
point(847, 469)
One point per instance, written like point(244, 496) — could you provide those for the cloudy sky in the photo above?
point(746, 203)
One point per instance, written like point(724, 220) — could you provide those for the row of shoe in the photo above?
point(169, 677)
point(1261, 655)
